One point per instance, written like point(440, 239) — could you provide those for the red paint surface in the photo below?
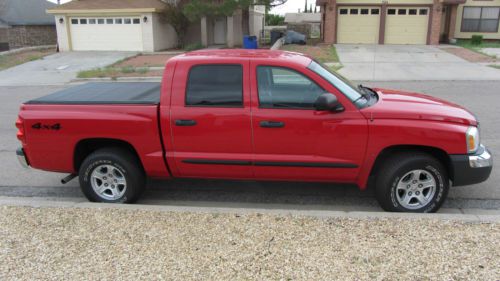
point(353, 137)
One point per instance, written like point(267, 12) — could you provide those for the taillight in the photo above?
point(20, 130)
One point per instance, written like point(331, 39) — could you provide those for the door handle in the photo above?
point(185, 122)
point(272, 124)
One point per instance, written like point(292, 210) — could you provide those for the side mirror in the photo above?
point(328, 102)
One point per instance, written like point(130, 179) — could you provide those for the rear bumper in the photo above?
point(21, 157)
point(471, 168)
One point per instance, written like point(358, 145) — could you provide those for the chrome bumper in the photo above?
point(21, 157)
point(482, 160)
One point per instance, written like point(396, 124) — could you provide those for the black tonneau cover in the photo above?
point(105, 93)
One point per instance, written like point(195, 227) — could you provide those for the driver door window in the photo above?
point(285, 88)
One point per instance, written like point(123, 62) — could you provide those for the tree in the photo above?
point(305, 7)
point(197, 9)
point(272, 19)
point(173, 15)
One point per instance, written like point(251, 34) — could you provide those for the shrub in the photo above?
point(192, 47)
point(476, 39)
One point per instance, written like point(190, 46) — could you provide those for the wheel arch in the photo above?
point(438, 153)
point(86, 146)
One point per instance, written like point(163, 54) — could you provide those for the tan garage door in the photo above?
point(406, 25)
point(358, 25)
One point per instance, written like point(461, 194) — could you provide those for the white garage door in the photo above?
point(406, 25)
point(106, 34)
point(358, 25)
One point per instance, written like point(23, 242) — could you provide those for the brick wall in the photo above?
point(32, 35)
point(330, 22)
point(435, 29)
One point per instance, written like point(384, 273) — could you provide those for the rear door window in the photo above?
point(215, 85)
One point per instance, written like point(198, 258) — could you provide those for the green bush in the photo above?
point(476, 39)
point(193, 47)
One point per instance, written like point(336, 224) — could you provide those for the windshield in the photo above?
point(339, 82)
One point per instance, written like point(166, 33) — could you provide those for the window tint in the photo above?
point(364, 11)
point(391, 11)
point(402, 12)
point(422, 12)
point(215, 85)
point(83, 21)
point(91, 21)
point(412, 11)
point(118, 21)
point(343, 11)
point(100, 21)
point(285, 88)
point(109, 21)
point(137, 21)
point(74, 21)
point(375, 11)
point(354, 11)
point(127, 21)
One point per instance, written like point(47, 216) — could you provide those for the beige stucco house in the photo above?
point(137, 25)
point(407, 21)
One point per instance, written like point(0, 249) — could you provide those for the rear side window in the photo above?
point(215, 85)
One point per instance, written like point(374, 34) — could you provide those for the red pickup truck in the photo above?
point(254, 115)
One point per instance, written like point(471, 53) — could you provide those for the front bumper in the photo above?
point(471, 168)
point(21, 157)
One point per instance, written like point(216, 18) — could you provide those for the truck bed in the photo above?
point(105, 93)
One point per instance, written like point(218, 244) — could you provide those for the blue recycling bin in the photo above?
point(250, 42)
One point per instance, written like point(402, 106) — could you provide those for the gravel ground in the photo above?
point(114, 244)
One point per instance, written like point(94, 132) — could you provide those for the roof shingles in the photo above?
point(111, 5)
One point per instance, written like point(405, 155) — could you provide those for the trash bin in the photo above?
point(275, 35)
point(250, 42)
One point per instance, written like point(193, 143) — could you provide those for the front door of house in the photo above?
point(220, 31)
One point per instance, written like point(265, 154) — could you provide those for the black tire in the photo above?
point(403, 165)
point(127, 166)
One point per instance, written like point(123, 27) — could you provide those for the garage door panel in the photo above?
point(112, 34)
point(406, 25)
point(358, 25)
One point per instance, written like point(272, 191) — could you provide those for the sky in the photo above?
point(291, 6)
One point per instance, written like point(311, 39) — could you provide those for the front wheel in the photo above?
point(412, 182)
point(111, 175)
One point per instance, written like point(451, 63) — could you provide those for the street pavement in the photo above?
point(409, 63)
point(481, 97)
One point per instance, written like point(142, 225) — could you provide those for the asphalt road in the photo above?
point(483, 98)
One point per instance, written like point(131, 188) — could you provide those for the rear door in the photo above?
point(210, 120)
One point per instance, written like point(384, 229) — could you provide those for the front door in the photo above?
point(210, 121)
point(220, 31)
point(293, 141)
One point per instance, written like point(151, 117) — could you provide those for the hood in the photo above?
point(394, 104)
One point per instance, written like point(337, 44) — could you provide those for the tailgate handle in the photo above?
point(272, 124)
point(185, 122)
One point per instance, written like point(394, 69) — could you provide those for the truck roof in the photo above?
point(215, 54)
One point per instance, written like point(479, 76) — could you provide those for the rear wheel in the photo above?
point(412, 182)
point(112, 175)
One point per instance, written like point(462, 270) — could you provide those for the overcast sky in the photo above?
point(291, 6)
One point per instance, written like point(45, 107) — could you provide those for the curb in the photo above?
point(127, 79)
point(474, 215)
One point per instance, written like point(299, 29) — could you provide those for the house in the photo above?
point(25, 23)
point(296, 21)
point(137, 25)
point(407, 21)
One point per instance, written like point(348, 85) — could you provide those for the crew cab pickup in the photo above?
point(254, 115)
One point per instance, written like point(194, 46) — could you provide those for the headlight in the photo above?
point(472, 139)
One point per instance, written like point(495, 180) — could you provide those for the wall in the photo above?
point(63, 36)
point(467, 35)
point(31, 35)
point(165, 36)
point(256, 22)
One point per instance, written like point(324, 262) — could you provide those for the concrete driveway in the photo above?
point(408, 63)
point(58, 68)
